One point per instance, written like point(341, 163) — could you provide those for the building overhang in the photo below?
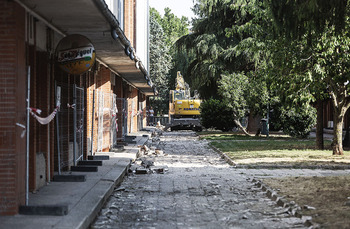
point(93, 19)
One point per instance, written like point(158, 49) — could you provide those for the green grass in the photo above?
point(276, 149)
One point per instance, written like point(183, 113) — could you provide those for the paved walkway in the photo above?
point(84, 199)
point(198, 190)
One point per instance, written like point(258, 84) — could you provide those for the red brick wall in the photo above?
point(43, 102)
point(31, 61)
point(118, 90)
point(91, 86)
point(132, 110)
point(12, 107)
point(142, 99)
point(129, 20)
point(101, 81)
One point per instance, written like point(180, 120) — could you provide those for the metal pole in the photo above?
point(268, 117)
point(74, 123)
point(58, 93)
point(92, 123)
point(27, 143)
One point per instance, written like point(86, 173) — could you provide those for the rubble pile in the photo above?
point(145, 162)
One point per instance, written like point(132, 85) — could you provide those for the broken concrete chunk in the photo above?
point(147, 162)
point(141, 170)
point(133, 168)
point(159, 152)
point(307, 207)
point(159, 169)
point(146, 148)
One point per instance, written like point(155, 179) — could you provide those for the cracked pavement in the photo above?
point(197, 190)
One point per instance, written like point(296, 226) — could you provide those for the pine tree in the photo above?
point(160, 62)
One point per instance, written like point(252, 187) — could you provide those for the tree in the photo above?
point(225, 51)
point(205, 46)
point(160, 62)
point(319, 59)
point(217, 114)
point(234, 56)
point(164, 31)
point(173, 27)
point(331, 65)
point(233, 88)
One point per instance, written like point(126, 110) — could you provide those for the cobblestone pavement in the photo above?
point(199, 190)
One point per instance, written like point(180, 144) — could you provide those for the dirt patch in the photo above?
point(329, 195)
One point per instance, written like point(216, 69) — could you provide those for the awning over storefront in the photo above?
point(92, 19)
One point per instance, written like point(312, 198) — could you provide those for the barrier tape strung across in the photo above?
point(43, 121)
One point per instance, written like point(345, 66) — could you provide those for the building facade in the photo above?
point(81, 114)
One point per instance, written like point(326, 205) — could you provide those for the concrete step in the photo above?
point(90, 162)
point(98, 157)
point(84, 168)
point(130, 139)
point(117, 148)
point(56, 210)
point(69, 178)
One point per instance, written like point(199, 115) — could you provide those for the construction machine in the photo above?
point(183, 109)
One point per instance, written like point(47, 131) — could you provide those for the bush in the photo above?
point(298, 122)
point(217, 114)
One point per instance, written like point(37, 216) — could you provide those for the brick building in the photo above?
point(97, 108)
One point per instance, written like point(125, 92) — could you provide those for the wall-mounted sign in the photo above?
point(75, 54)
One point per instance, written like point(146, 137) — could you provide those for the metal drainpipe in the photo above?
point(27, 143)
point(48, 178)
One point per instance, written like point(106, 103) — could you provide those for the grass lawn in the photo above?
point(276, 149)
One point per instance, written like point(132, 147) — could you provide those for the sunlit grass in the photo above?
point(278, 149)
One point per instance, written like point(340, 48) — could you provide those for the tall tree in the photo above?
point(160, 62)
point(173, 27)
point(318, 56)
point(164, 61)
point(205, 46)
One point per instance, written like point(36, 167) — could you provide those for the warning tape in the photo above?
point(46, 120)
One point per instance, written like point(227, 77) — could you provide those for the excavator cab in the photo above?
point(183, 110)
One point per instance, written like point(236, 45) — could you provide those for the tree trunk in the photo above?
point(319, 125)
point(238, 123)
point(253, 123)
point(337, 143)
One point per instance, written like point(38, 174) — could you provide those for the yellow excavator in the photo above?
point(183, 109)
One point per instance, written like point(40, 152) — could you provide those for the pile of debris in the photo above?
point(144, 163)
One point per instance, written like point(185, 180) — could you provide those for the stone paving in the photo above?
point(197, 190)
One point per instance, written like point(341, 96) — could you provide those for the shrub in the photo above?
point(217, 114)
point(298, 122)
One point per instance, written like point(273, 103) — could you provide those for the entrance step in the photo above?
point(123, 143)
point(56, 210)
point(84, 168)
point(117, 148)
point(130, 139)
point(69, 178)
point(90, 162)
point(98, 157)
